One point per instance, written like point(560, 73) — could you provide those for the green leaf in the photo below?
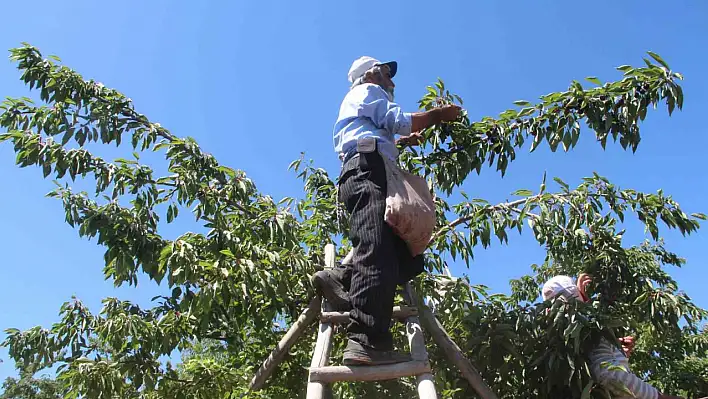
point(170, 214)
point(526, 111)
point(6, 136)
point(522, 193)
point(227, 171)
point(624, 68)
point(295, 165)
point(567, 140)
point(679, 96)
point(699, 216)
point(522, 103)
point(536, 141)
point(227, 252)
point(561, 183)
point(640, 299)
point(67, 136)
point(594, 79)
point(658, 59)
point(162, 145)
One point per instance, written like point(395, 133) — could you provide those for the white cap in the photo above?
point(363, 64)
point(562, 285)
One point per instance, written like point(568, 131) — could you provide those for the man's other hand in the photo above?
point(410, 140)
point(627, 345)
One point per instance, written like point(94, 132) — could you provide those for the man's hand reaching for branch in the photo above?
point(423, 120)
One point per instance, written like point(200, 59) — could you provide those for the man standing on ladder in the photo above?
point(364, 133)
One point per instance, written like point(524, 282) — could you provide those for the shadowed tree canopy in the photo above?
point(29, 387)
point(239, 280)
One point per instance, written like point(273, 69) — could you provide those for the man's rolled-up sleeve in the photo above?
point(384, 113)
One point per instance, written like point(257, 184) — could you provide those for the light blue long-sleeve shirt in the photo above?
point(366, 111)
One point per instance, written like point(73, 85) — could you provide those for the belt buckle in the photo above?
point(366, 145)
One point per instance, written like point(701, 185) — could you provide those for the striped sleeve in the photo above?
point(611, 370)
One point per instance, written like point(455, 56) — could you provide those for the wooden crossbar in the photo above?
point(399, 312)
point(368, 373)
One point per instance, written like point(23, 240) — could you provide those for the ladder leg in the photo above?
point(454, 353)
point(323, 347)
point(289, 339)
point(320, 358)
point(425, 383)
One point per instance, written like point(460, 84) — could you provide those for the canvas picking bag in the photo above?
point(410, 209)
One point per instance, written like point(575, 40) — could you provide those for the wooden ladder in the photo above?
point(322, 375)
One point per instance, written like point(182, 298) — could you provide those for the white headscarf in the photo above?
point(560, 285)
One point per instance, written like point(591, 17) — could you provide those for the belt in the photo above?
point(349, 156)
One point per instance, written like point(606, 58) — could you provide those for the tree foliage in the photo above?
point(30, 387)
point(237, 282)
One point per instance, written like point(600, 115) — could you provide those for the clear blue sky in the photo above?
point(256, 83)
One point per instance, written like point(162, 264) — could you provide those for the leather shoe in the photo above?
point(356, 354)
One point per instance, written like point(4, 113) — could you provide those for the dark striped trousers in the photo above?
point(381, 259)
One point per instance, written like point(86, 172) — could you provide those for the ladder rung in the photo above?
point(368, 373)
point(399, 312)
